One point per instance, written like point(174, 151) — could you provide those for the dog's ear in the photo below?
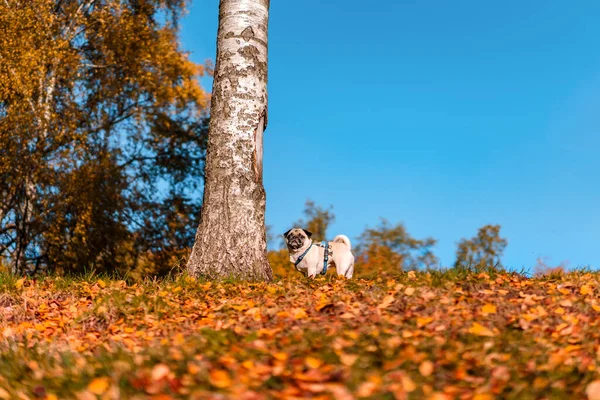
point(287, 233)
point(309, 234)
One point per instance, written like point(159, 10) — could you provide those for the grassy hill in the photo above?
point(438, 335)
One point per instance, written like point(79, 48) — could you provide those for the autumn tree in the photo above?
point(102, 135)
point(391, 247)
point(316, 220)
point(231, 238)
point(483, 251)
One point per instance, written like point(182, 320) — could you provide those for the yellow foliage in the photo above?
point(99, 108)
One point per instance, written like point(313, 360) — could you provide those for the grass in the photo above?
point(447, 334)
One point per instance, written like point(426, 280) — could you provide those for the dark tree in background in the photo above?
point(316, 220)
point(392, 247)
point(102, 136)
point(484, 250)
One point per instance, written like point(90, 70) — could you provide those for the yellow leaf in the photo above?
point(348, 359)
point(366, 389)
point(585, 289)
point(480, 330)
point(99, 386)
point(409, 291)
point(19, 283)
point(596, 307)
point(51, 397)
point(407, 384)
point(101, 283)
point(426, 368)
point(422, 321)
point(220, 378)
point(385, 303)
point(560, 311)
point(312, 362)
point(281, 356)
point(488, 309)
point(483, 396)
point(299, 313)
point(593, 390)
point(193, 369)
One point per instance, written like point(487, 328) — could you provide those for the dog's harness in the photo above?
point(299, 260)
point(328, 251)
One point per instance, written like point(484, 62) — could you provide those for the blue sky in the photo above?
point(444, 115)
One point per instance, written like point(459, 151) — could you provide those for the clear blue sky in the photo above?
point(444, 115)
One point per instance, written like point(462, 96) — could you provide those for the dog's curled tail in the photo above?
point(343, 239)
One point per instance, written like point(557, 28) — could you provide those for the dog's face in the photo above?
point(296, 238)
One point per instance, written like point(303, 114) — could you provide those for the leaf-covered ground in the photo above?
point(414, 336)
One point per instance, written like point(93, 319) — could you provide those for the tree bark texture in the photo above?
point(231, 238)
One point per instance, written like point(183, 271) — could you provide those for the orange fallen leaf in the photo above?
point(585, 289)
point(220, 378)
point(366, 389)
point(408, 384)
point(348, 359)
point(99, 386)
point(488, 309)
point(480, 330)
point(312, 362)
point(426, 368)
point(160, 371)
point(385, 303)
point(299, 313)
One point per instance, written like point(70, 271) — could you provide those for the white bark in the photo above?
point(231, 238)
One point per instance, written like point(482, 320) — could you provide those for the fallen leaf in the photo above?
point(585, 289)
point(220, 378)
point(366, 389)
point(408, 384)
point(99, 386)
point(387, 300)
point(480, 330)
point(312, 362)
point(426, 368)
point(160, 371)
point(348, 359)
point(488, 309)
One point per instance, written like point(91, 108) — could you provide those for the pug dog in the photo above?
point(311, 258)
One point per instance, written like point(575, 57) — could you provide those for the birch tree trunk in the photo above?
point(231, 238)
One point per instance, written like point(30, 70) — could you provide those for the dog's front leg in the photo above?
point(312, 271)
